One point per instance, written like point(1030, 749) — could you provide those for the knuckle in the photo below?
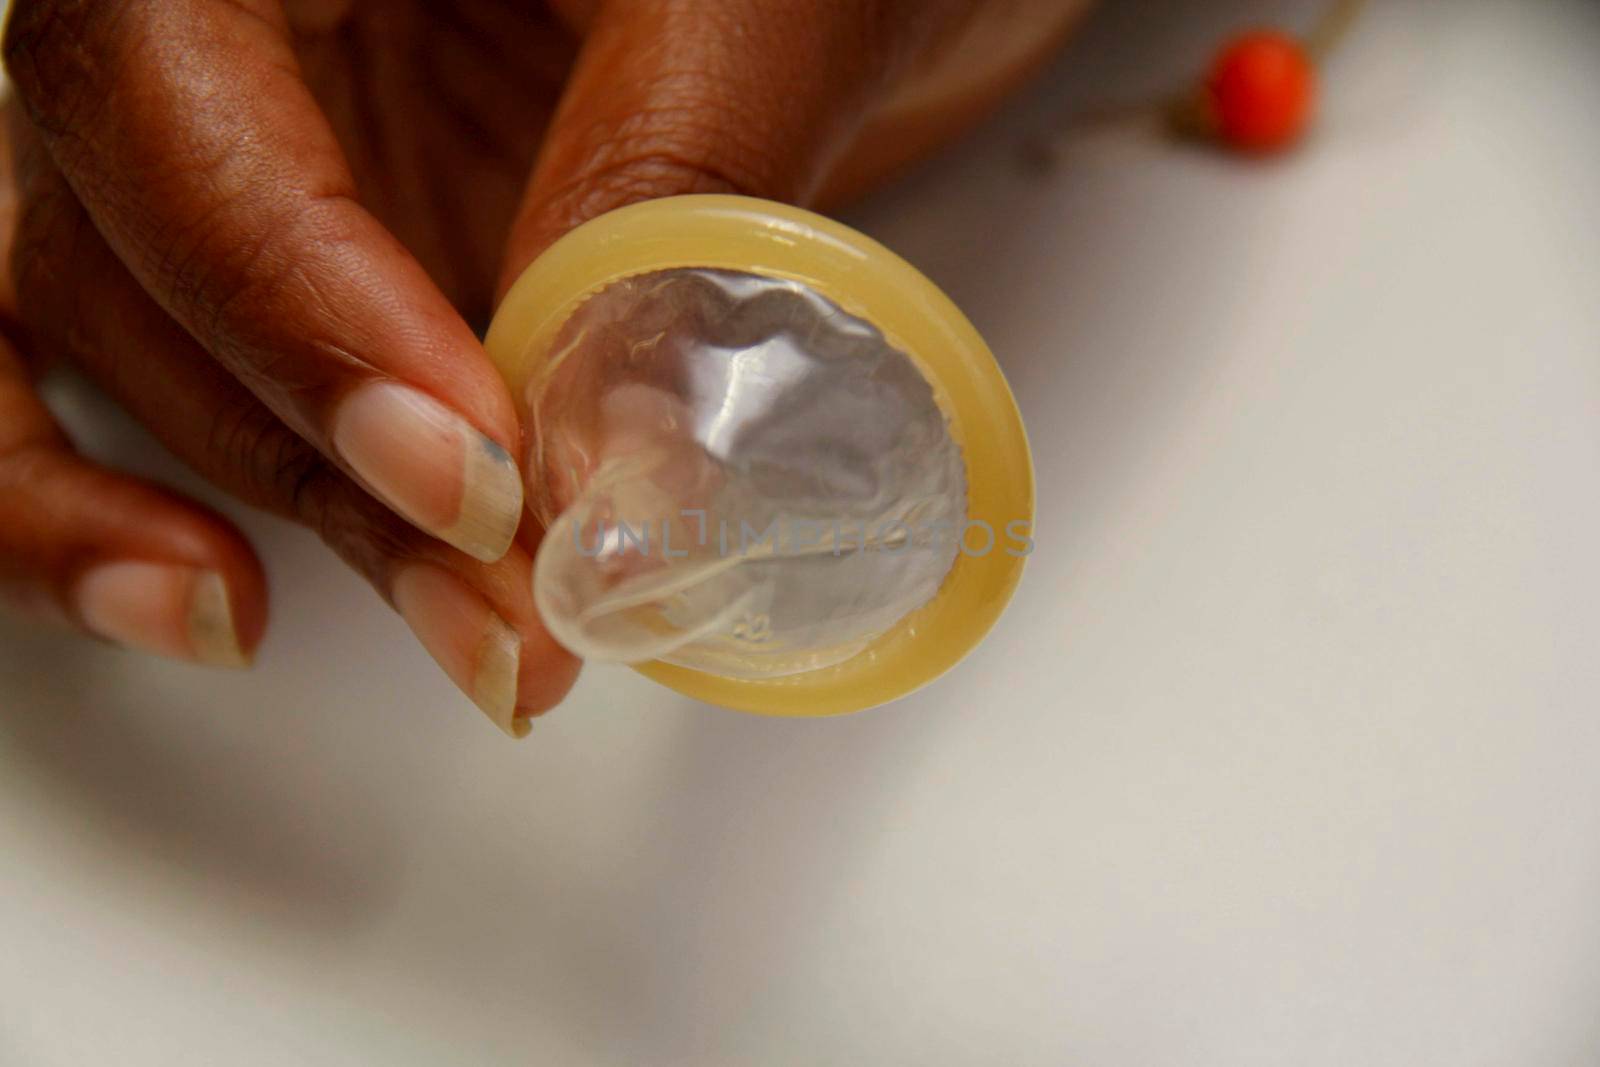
point(263, 460)
point(691, 144)
point(368, 542)
point(206, 265)
point(268, 465)
point(199, 235)
point(358, 529)
point(54, 53)
point(246, 287)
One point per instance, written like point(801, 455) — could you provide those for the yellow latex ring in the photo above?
point(867, 280)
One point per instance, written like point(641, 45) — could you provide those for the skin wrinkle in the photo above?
point(291, 296)
point(241, 432)
point(205, 277)
point(641, 177)
point(194, 259)
point(61, 37)
point(271, 457)
point(206, 265)
point(799, 131)
point(673, 140)
point(263, 461)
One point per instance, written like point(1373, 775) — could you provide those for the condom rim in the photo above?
point(867, 280)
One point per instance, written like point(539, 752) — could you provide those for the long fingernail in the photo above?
point(169, 609)
point(476, 647)
point(432, 466)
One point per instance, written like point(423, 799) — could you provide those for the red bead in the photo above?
point(1262, 90)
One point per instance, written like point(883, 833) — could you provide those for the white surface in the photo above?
point(1287, 752)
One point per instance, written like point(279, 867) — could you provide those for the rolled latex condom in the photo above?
point(777, 469)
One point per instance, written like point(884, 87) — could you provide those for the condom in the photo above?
point(776, 468)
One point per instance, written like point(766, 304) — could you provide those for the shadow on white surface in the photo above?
point(132, 765)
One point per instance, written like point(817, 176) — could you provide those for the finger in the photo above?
point(728, 96)
point(118, 557)
point(186, 131)
point(954, 85)
point(477, 620)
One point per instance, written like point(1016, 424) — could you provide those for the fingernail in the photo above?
point(164, 608)
point(472, 644)
point(430, 465)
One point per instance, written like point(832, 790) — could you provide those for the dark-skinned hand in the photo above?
point(270, 230)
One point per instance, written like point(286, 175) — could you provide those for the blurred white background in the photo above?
point(1288, 751)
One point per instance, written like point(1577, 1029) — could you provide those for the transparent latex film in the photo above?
point(735, 476)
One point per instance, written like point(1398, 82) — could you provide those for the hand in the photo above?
point(265, 227)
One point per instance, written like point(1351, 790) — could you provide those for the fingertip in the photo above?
point(225, 601)
point(478, 623)
point(673, 99)
point(235, 590)
point(431, 466)
point(548, 673)
point(129, 561)
point(168, 609)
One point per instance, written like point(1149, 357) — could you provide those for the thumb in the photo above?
point(757, 97)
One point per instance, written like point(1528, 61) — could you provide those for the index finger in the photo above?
point(187, 132)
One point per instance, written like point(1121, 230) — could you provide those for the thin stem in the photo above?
point(1184, 112)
